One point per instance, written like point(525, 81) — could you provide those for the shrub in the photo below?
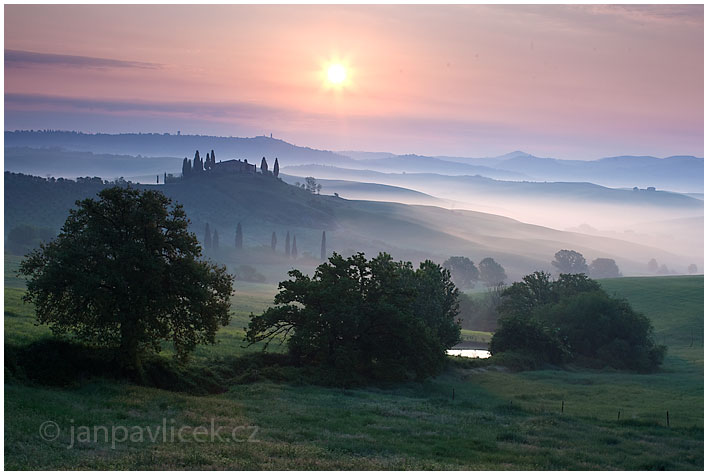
point(573, 320)
point(247, 273)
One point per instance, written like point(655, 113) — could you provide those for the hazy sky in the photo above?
point(566, 81)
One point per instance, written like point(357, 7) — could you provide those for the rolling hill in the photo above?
point(172, 145)
point(265, 205)
point(676, 173)
point(458, 186)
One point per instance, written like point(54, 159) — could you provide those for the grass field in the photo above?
point(496, 421)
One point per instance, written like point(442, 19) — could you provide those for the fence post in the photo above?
point(562, 406)
point(667, 419)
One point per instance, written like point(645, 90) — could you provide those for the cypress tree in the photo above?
point(276, 168)
point(213, 160)
point(215, 240)
point(273, 241)
point(197, 164)
point(207, 237)
point(264, 166)
point(185, 167)
point(287, 244)
point(293, 252)
point(239, 236)
point(323, 248)
point(164, 181)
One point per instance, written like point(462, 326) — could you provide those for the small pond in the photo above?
point(469, 353)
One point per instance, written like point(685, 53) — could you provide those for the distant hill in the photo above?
point(676, 173)
point(459, 187)
point(264, 205)
point(423, 164)
point(70, 164)
point(171, 145)
point(679, 173)
point(354, 190)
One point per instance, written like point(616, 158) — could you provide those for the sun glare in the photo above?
point(336, 74)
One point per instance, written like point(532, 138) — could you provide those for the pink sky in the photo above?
point(565, 81)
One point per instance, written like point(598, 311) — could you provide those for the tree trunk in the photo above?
point(129, 356)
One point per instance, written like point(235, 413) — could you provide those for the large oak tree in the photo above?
point(125, 272)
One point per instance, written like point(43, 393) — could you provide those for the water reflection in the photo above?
point(469, 353)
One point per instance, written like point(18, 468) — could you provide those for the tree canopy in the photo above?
point(491, 272)
point(125, 272)
point(573, 320)
point(570, 262)
point(364, 318)
point(462, 271)
point(603, 268)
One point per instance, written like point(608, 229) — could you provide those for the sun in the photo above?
point(336, 73)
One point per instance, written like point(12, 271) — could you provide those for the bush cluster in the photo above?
point(572, 320)
point(365, 319)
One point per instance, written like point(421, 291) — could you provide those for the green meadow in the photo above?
point(471, 417)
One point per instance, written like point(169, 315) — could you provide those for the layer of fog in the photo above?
point(675, 228)
point(665, 227)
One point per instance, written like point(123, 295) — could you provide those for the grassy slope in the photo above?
point(496, 421)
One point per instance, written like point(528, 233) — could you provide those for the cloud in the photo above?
point(642, 13)
point(40, 102)
point(21, 59)
point(236, 111)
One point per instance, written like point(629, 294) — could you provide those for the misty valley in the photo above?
point(509, 257)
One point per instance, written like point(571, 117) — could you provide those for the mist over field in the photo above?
point(631, 224)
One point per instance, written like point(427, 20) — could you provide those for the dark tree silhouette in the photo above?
point(602, 268)
point(653, 266)
point(239, 236)
point(310, 184)
point(570, 262)
point(364, 318)
point(126, 273)
point(197, 165)
point(212, 160)
point(273, 241)
point(463, 271)
point(207, 237)
point(287, 244)
point(215, 240)
point(573, 320)
point(491, 272)
point(293, 251)
point(276, 168)
point(323, 247)
point(264, 166)
point(186, 167)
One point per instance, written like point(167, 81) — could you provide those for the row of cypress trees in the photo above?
point(198, 165)
point(211, 241)
point(264, 167)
